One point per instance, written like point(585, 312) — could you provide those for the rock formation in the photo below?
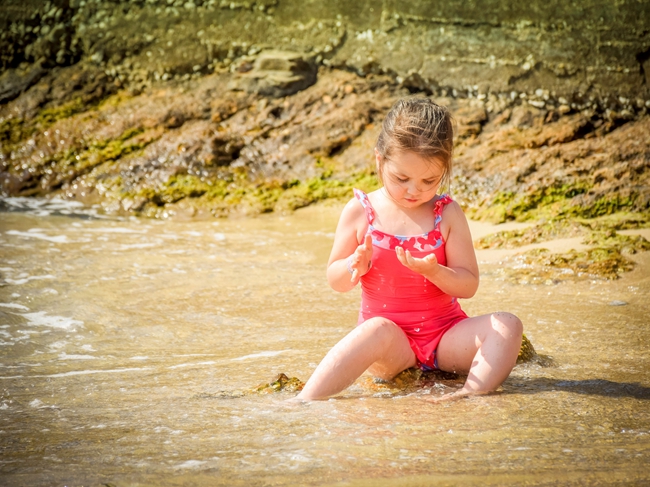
point(170, 107)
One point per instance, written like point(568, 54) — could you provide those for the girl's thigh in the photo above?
point(396, 355)
point(458, 346)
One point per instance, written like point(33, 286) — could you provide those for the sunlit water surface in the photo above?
point(124, 344)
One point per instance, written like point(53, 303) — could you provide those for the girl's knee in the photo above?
point(380, 328)
point(508, 325)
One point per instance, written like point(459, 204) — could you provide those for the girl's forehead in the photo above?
point(414, 165)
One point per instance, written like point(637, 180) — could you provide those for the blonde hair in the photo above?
point(421, 126)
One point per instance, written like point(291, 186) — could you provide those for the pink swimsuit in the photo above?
point(393, 291)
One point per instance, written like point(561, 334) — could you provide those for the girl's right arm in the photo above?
point(352, 250)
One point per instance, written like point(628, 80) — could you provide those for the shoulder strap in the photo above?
point(365, 202)
point(443, 201)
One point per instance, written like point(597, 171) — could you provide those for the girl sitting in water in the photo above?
point(412, 250)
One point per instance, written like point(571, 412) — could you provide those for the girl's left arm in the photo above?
point(460, 277)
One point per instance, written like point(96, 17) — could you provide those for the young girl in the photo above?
point(412, 251)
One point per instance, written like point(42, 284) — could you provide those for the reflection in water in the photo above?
point(125, 345)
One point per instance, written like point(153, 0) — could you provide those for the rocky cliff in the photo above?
point(165, 107)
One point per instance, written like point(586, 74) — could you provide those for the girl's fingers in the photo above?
point(405, 257)
point(362, 253)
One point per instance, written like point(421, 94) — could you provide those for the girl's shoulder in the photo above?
point(366, 198)
point(364, 203)
point(353, 220)
point(353, 210)
point(446, 205)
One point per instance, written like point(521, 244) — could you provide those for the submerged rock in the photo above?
point(527, 352)
point(413, 379)
point(282, 383)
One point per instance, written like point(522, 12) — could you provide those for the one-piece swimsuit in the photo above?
point(393, 291)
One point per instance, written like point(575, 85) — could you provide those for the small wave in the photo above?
point(261, 354)
point(40, 318)
point(14, 306)
point(34, 233)
point(25, 280)
point(180, 366)
point(191, 464)
point(65, 356)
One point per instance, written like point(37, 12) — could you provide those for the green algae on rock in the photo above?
point(208, 150)
point(605, 259)
point(157, 159)
point(282, 383)
point(626, 244)
point(540, 266)
point(222, 197)
point(597, 231)
point(413, 379)
point(541, 232)
point(589, 175)
point(526, 352)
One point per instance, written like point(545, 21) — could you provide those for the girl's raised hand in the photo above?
point(425, 266)
point(359, 262)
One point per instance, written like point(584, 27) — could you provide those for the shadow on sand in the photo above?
point(598, 387)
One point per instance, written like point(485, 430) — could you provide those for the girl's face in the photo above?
point(409, 179)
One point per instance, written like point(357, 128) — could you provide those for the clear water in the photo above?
point(124, 344)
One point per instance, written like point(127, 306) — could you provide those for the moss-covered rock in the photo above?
point(282, 383)
point(596, 232)
point(526, 352)
point(540, 266)
point(410, 380)
point(212, 151)
point(546, 201)
point(605, 259)
point(542, 232)
point(626, 244)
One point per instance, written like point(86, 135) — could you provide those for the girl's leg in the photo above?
point(378, 344)
point(484, 347)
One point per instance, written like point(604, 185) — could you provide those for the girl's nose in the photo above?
point(413, 188)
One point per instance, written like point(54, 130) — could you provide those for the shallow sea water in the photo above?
point(124, 344)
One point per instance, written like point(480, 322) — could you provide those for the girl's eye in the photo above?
point(401, 180)
point(430, 182)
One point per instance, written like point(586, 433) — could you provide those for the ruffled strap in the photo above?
point(443, 201)
point(365, 202)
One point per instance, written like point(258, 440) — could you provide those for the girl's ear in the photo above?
point(377, 159)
